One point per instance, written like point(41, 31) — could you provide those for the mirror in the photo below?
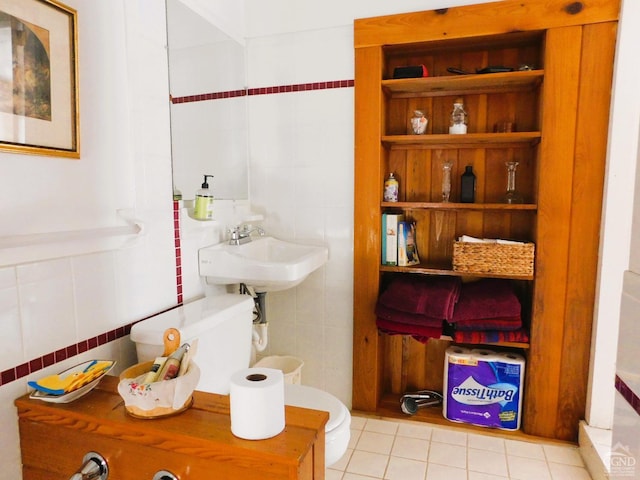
point(208, 135)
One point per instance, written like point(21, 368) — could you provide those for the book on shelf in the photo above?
point(407, 248)
point(390, 223)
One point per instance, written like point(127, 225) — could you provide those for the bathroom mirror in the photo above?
point(208, 133)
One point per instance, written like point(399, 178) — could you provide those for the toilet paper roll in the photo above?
point(486, 355)
point(257, 403)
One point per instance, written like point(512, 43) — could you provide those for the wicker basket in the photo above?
point(158, 399)
point(494, 258)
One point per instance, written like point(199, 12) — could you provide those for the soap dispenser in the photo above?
point(203, 209)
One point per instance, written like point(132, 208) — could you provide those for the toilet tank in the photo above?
point(221, 324)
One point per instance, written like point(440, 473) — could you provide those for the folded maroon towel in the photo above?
point(486, 298)
point(421, 333)
point(503, 323)
point(491, 336)
point(397, 316)
point(433, 296)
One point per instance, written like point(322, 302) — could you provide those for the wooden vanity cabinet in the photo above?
point(559, 106)
point(195, 444)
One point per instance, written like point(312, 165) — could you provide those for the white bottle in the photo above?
point(203, 208)
point(458, 118)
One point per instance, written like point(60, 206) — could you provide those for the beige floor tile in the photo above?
point(343, 462)
point(375, 442)
point(485, 442)
point(485, 476)
point(485, 461)
point(447, 454)
point(523, 468)
point(357, 423)
point(353, 439)
point(355, 476)
point(453, 437)
point(405, 469)
point(524, 449)
point(367, 463)
point(418, 430)
point(568, 472)
point(564, 455)
point(414, 448)
point(381, 426)
point(330, 474)
point(444, 472)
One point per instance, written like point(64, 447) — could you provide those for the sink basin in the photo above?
point(267, 264)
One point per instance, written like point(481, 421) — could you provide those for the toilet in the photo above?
point(222, 325)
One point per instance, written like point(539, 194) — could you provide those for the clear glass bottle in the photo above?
point(459, 118)
point(418, 123)
point(446, 180)
point(512, 195)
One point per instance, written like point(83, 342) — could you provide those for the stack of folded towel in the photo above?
point(417, 307)
point(488, 311)
point(485, 311)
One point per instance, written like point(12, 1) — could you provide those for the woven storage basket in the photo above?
point(495, 258)
point(157, 399)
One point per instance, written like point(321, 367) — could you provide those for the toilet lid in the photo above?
point(309, 397)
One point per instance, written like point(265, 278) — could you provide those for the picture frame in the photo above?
point(39, 101)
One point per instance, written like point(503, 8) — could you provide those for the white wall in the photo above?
point(50, 303)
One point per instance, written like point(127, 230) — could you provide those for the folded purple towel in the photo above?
point(397, 316)
point(419, 332)
point(434, 297)
point(503, 323)
point(486, 298)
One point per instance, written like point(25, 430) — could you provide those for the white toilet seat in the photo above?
point(337, 430)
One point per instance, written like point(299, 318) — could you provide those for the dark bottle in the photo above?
point(468, 185)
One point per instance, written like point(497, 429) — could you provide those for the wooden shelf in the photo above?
point(460, 206)
point(469, 140)
point(446, 270)
point(389, 407)
point(463, 84)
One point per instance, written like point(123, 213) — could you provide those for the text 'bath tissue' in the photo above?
point(257, 403)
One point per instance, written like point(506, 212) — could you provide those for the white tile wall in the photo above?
point(301, 151)
point(46, 305)
point(11, 340)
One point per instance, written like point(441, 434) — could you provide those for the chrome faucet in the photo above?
point(241, 235)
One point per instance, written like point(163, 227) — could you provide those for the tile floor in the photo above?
point(391, 450)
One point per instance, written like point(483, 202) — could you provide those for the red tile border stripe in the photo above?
point(178, 251)
point(629, 395)
point(36, 364)
point(298, 87)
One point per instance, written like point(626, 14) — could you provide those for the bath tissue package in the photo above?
point(483, 387)
point(257, 403)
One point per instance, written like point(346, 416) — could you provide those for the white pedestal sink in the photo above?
point(266, 263)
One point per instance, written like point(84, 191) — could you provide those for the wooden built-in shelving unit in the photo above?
point(559, 109)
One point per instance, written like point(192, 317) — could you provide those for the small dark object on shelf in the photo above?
point(411, 402)
point(494, 69)
point(416, 71)
point(457, 71)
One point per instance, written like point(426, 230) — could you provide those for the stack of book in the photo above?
point(398, 241)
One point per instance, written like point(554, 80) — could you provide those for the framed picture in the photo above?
point(38, 78)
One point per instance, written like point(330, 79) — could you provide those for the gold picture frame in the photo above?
point(39, 109)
